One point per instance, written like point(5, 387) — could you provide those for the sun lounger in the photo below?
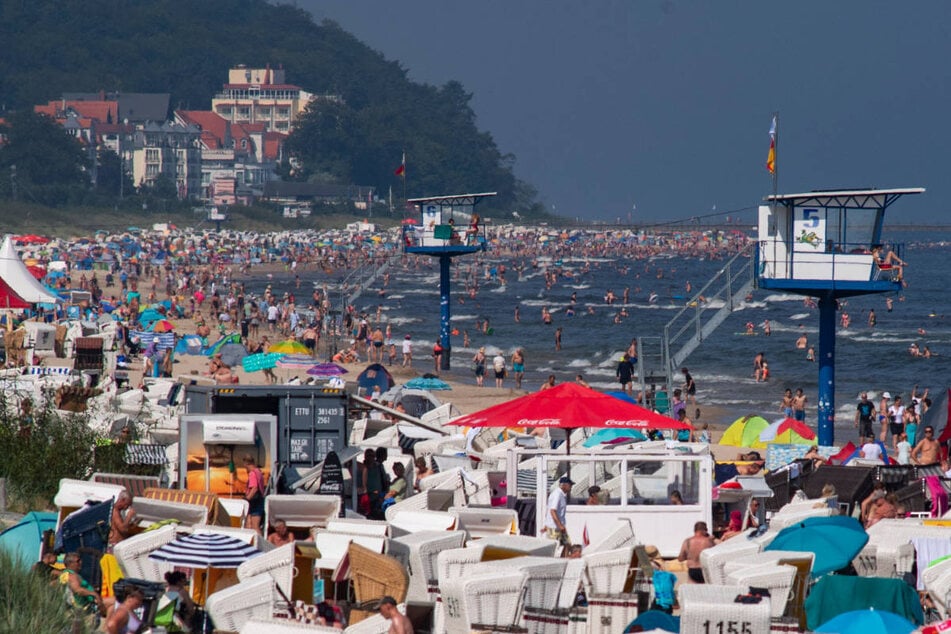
point(484, 602)
point(711, 608)
point(418, 552)
point(232, 607)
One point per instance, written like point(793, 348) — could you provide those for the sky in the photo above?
point(660, 109)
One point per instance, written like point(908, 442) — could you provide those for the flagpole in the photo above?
point(776, 155)
point(403, 175)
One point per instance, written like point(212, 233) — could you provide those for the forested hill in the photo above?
point(185, 47)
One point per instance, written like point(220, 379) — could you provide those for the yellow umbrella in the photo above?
point(745, 431)
point(289, 346)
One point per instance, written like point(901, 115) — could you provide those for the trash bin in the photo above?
point(153, 591)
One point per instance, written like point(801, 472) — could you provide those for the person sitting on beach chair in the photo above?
point(889, 261)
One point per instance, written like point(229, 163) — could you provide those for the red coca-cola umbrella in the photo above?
point(568, 406)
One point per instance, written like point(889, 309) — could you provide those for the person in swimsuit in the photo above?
point(123, 620)
point(691, 549)
point(799, 405)
point(518, 367)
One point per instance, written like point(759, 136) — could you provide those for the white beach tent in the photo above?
point(14, 272)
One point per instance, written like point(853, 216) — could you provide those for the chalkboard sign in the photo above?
point(331, 476)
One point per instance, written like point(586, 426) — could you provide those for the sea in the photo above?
point(873, 358)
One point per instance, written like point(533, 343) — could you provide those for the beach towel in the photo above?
point(927, 549)
point(939, 497)
point(111, 573)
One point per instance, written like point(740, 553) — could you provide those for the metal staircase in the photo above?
point(660, 358)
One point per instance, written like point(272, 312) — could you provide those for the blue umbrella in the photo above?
point(427, 383)
point(609, 436)
point(835, 541)
point(868, 622)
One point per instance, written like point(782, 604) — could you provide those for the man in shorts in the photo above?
point(864, 416)
point(691, 549)
point(799, 405)
point(928, 450)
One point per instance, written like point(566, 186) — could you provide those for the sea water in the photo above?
point(867, 358)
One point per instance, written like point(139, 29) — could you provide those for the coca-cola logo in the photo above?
point(538, 422)
point(623, 423)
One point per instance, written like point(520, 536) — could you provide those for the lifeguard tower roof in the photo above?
point(848, 198)
point(455, 199)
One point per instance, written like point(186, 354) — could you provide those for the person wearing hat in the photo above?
point(557, 506)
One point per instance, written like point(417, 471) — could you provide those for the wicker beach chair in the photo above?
point(405, 522)
point(278, 564)
point(374, 576)
point(525, 544)
point(452, 564)
point(369, 528)
point(781, 520)
point(937, 580)
point(133, 554)
point(610, 572)
point(713, 559)
point(483, 522)
point(778, 579)
point(620, 535)
point(484, 602)
point(418, 552)
point(888, 552)
point(232, 607)
point(711, 608)
point(283, 626)
point(427, 500)
point(545, 576)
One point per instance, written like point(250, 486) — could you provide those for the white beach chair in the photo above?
point(283, 626)
point(415, 521)
point(149, 511)
point(713, 559)
point(710, 608)
point(607, 572)
point(539, 546)
point(452, 564)
point(278, 563)
point(302, 511)
point(418, 553)
point(232, 607)
point(777, 578)
point(133, 554)
point(369, 528)
point(427, 500)
point(620, 535)
point(937, 580)
point(482, 522)
point(483, 602)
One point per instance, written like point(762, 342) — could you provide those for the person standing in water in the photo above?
point(518, 367)
point(557, 339)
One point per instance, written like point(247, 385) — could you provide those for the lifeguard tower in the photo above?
point(827, 244)
point(448, 227)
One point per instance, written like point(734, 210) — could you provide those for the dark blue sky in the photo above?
point(665, 104)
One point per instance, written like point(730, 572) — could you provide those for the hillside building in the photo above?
point(261, 95)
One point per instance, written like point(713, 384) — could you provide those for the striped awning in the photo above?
point(145, 454)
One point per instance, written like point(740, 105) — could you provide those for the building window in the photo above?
point(283, 113)
point(151, 171)
point(244, 112)
point(152, 156)
point(224, 111)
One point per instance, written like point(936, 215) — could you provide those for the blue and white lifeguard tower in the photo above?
point(827, 244)
point(448, 227)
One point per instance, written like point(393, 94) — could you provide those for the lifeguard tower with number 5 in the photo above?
point(828, 245)
point(449, 226)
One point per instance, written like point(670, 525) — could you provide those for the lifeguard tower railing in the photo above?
point(837, 266)
point(695, 322)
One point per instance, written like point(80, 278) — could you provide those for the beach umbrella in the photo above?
point(326, 370)
point(745, 431)
point(260, 361)
point(162, 325)
point(788, 431)
point(205, 550)
point(870, 621)
point(614, 436)
point(427, 383)
point(289, 346)
point(296, 362)
point(834, 540)
point(568, 406)
point(624, 396)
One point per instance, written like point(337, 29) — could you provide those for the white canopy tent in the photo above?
point(14, 272)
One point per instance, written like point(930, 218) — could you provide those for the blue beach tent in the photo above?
point(24, 538)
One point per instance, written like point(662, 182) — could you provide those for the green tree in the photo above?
point(39, 156)
point(111, 179)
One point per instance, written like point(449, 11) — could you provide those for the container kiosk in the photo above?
point(828, 244)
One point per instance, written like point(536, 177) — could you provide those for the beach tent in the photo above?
point(788, 432)
point(189, 344)
point(14, 273)
point(9, 299)
point(375, 374)
point(23, 539)
point(745, 432)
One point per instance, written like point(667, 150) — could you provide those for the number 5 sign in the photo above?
point(809, 229)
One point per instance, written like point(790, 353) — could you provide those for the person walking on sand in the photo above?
point(478, 363)
point(498, 366)
point(518, 367)
point(437, 356)
point(691, 549)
